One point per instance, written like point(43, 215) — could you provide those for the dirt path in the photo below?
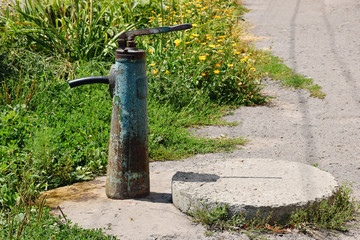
point(317, 38)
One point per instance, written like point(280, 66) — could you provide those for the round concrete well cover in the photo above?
point(249, 186)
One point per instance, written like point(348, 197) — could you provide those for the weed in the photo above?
point(274, 67)
point(330, 214)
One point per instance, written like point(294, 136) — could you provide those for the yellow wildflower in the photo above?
point(217, 65)
point(234, 45)
point(203, 74)
point(203, 57)
point(167, 72)
point(195, 35)
point(177, 42)
point(187, 42)
point(252, 69)
point(194, 25)
point(243, 60)
point(155, 71)
point(216, 71)
point(217, 17)
point(230, 65)
point(191, 37)
point(152, 64)
point(236, 52)
point(220, 51)
point(212, 46)
point(150, 50)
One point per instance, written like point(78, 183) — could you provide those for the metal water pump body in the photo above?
point(128, 163)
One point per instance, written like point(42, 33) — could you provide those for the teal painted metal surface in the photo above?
point(128, 164)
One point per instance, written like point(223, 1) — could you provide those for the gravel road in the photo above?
point(319, 39)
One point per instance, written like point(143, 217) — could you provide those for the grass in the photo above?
point(274, 68)
point(334, 214)
point(51, 135)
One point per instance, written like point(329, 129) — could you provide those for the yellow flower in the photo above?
point(217, 17)
point(243, 60)
point(150, 50)
point(216, 71)
point(236, 52)
point(152, 64)
point(155, 71)
point(234, 45)
point(220, 51)
point(187, 42)
point(203, 74)
point(177, 42)
point(194, 25)
point(167, 72)
point(208, 37)
point(195, 35)
point(204, 43)
point(217, 65)
point(191, 37)
point(253, 69)
point(212, 46)
point(230, 65)
point(203, 57)
point(222, 37)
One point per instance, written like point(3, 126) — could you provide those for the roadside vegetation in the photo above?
point(51, 135)
point(334, 214)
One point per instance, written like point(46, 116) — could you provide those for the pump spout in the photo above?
point(89, 80)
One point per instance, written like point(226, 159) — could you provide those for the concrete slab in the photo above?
point(251, 185)
point(243, 183)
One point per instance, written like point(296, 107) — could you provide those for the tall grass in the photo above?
point(52, 136)
point(73, 29)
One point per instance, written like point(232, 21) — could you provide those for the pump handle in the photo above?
point(130, 35)
point(89, 80)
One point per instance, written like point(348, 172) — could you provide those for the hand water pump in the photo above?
point(128, 163)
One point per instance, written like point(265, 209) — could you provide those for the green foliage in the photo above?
point(202, 64)
point(73, 29)
point(216, 219)
point(169, 139)
point(51, 135)
point(274, 67)
point(29, 223)
point(332, 214)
